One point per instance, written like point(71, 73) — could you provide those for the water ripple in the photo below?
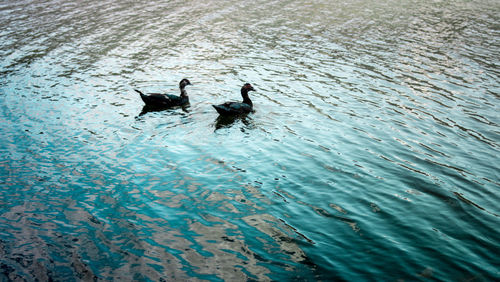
point(371, 151)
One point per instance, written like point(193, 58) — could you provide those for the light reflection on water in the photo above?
point(371, 154)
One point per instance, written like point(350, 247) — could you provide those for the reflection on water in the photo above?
point(227, 121)
point(371, 153)
point(147, 109)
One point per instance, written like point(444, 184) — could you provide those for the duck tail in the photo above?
point(219, 109)
point(143, 97)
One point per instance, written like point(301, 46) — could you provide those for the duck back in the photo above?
point(232, 108)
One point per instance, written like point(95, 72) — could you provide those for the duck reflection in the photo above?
point(147, 109)
point(227, 121)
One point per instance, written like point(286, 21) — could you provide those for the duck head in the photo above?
point(247, 87)
point(184, 82)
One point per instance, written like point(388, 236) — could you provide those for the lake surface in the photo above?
point(372, 154)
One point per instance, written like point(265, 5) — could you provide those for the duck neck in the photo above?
point(246, 99)
point(183, 92)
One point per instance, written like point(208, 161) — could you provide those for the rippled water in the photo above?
point(372, 153)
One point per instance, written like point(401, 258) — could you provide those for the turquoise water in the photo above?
point(372, 153)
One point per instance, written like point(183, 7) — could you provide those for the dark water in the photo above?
point(372, 154)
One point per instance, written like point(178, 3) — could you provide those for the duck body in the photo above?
point(157, 100)
point(237, 108)
point(233, 108)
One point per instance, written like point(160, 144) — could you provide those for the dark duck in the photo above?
point(157, 100)
point(237, 108)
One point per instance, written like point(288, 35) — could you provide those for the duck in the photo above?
point(237, 108)
point(157, 100)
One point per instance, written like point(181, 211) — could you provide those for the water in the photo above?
point(372, 153)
